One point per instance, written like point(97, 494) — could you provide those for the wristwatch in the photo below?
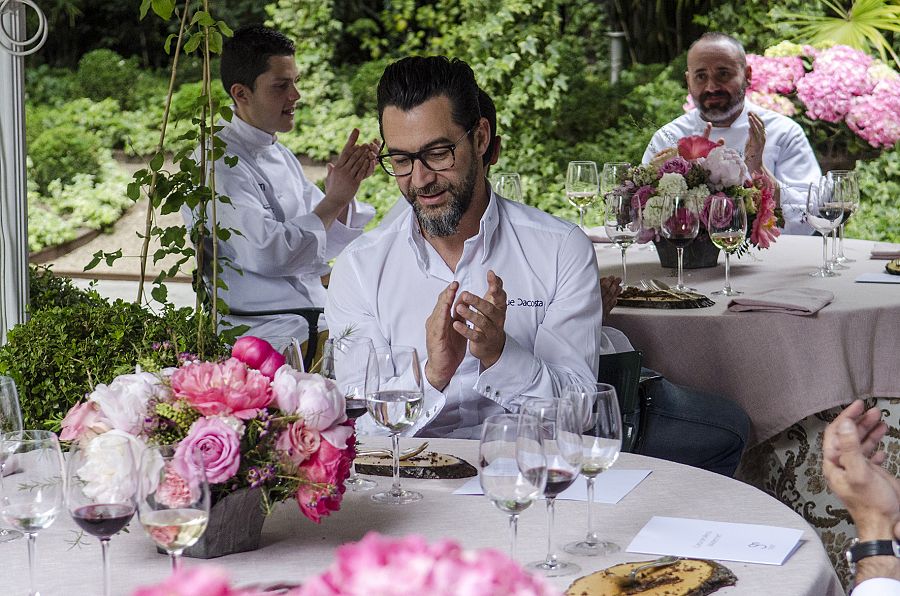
point(870, 548)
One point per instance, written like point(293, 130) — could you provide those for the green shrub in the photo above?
point(187, 96)
point(879, 186)
point(47, 290)
point(104, 73)
point(61, 152)
point(50, 86)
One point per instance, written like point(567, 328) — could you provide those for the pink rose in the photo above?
point(229, 388)
point(259, 354)
point(219, 444)
point(190, 581)
point(83, 420)
point(313, 397)
point(643, 194)
point(676, 165)
point(329, 466)
point(695, 146)
point(298, 442)
point(721, 216)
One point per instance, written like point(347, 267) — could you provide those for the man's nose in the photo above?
point(295, 93)
point(421, 175)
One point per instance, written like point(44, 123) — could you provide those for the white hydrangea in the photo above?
point(699, 194)
point(672, 184)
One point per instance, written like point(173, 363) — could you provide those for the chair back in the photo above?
point(623, 371)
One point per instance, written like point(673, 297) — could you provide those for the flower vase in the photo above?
point(698, 254)
point(235, 526)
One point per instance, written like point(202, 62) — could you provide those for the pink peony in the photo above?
point(219, 444)
point(84, 420)
point(695, 146)
point(313, 397)
point(298, 442)
point(259, 354)
point(229, 388)
point(726, 168)
point(325, 472)
point(191, 581)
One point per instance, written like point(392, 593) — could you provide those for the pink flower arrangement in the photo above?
point(277, 429)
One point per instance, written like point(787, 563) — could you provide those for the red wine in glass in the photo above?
point(103, 520)
point(355, 408)
point(558, 481)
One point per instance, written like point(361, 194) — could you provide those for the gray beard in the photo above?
point(715, 115)
point(445, 222)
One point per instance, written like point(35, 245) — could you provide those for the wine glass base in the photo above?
point(358, 484)
point(7, 535)
point(727, 292)
point(838, 265)
point(400, 497)
point(592, 549)
point(824, 273)
point(557, 569)
point(683, 288)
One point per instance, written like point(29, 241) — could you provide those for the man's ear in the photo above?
point(748, 73)
point(482, 136)
point(240, 93)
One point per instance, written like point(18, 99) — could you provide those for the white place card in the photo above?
point(878, 278)
point(610, 487)
point(701, 539)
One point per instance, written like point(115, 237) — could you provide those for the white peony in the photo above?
point(726, 168)
point(671, 184)
point(124, 401)
point(109, 461)
point(313, 397)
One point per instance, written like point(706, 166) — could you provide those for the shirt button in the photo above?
point(488, 388)
point(496, 394)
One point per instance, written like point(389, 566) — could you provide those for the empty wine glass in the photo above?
point(560, 433)
point(727, 227)
point(679, 224)
point(173, 497)
point(845, 185)
point(582, 185)
point(597, 406)
point(623, 222)
point(394, 398)
point(512, 468)
point(824, 215)
point(31, 500)
point(508, 185)
point(10, 421)
point(344, 359)
point(101, 487)
point(612, 175)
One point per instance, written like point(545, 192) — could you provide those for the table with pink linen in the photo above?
point(780, 368)
point(294, 548)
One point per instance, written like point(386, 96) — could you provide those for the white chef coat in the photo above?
point(787, 155)
point(385, 286)
point(877, 586)
point(283, 248)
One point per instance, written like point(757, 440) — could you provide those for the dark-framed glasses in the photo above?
point(436, 159)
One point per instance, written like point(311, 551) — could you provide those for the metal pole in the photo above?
point(616, 51)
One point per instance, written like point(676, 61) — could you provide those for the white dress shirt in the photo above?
point(385, 286)
point(283, 248)
point(787, 155)
point(877, 586)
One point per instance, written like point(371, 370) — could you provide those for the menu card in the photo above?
point(701, 539)
point(878, 278)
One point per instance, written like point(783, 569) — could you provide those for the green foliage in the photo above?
point(64, 350)
point(61, 153)
point(46, 85)
point(758, 24)
point(879, 186)
point(47, 290)
point(105, 74)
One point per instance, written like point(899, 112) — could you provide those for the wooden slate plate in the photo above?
point(893, 267)
point(637, 298)
point(687, 577)
point(427, 466)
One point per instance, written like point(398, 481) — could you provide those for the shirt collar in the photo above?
point(256, 138)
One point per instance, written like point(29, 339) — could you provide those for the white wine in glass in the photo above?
point(727, 227)
point(582, 186)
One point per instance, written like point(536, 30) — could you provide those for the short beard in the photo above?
point(444, 221)
point(733, 108)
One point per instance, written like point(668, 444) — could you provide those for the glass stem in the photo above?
point(840, 249)
point(175, 558)
point(513, 532)
point(395, 441)
point(834, 244)
point(550, 563)
point(581, 216)
point(624, 269)
point(104, 551)
point(680, 266)
point(591, 535)
point(824, 253)
point(727, 273)
point(32, 556)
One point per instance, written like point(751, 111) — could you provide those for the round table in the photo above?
point(780, 368)
point(293, 548)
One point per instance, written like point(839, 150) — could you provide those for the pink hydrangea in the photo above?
point(839, 74)
point(229, 388)
point(774, 102)
point(775, 74)
point(876, 117)
point(443, 568)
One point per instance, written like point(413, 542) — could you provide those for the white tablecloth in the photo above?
point(780, 368)
point(294, 548)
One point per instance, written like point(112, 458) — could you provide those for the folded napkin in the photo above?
point(597, 234)
point(885, 251)
point(790, 301)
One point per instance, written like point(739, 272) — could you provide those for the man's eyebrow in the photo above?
point(439, 142)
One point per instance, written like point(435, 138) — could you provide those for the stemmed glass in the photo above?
point(344, 360)
point(394, 398)
point(727, 227)
point(560, 433)
point(582, 185)
point(612, 175)
point(622, 222)
point(512, 467)
point(508, 185)
point(173, 498)
point(10, 421)
point(31, 501)
point(824, 215)
point(845, 186)
point(598, 407)
point(101, 486)
point(679, 224)
point(289, 347)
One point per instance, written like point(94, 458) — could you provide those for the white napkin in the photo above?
point(885, 251)
point(790, 301)
point(597, 234)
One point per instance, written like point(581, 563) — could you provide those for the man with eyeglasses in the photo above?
point(717, 78)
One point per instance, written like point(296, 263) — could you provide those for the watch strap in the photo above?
point(872, 548)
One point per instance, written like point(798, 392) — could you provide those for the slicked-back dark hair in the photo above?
point(716, 36)
point(411, 81)
point(246, 54)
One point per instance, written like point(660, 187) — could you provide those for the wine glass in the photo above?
point(394, 398)
point(173, 498)
point(622, 221)
point(824, 215)
point(10, 421)
point(727, 227)
point(512, 467)
point(612, 175)
point(597, 406)
point(582, 184)
point(101, 486)
point(845, 185)
point(679, 224)
point(560, 433)
point(344, 360)
point(508, 185)
point(289, 347)
point(31, 501)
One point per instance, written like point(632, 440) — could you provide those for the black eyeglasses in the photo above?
point(436, 159)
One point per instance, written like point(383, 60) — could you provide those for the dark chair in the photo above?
point(623, 371)
point(310, 313)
